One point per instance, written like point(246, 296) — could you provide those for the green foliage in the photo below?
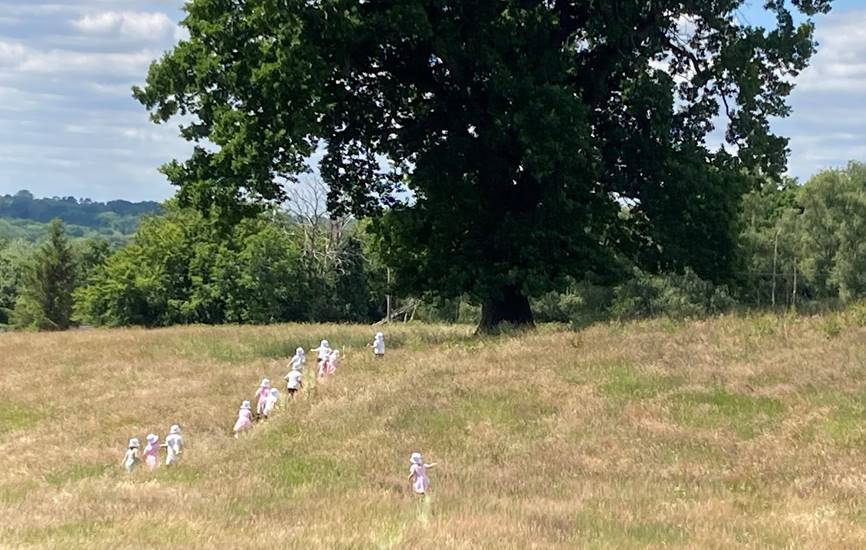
point(185, 267)
point(521, 128)
point(45, 298)
point(583, 303)
point(23, 216)
point(814, 232)
point(832, 326)
point(672, 295)
point(12, 266)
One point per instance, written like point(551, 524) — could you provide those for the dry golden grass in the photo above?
point(732, 432)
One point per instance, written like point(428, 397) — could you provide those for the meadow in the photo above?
point(738, 431)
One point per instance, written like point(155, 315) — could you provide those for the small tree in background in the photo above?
point(46, 301)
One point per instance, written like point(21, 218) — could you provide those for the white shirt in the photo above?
point(298, 361)
point(173, 444)
point(294, 378)
point(379, 346)
point(270, 402)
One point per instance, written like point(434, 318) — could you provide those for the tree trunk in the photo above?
point(508, 306)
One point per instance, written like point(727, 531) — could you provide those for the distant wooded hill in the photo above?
point(22, 216)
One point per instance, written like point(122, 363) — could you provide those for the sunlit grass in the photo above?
point(741, 431)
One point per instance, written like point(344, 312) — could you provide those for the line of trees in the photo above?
point(798, 245)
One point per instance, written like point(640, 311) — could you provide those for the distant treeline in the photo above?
point(798, 246)
point(22, 216)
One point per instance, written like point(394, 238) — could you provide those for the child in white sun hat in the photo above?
point(271, 401)
point(151, 451)
point(418, 473)
point(130, 459)
point(297, 361)
point(324, 350)
point(262, 395)
point(294, 381)
point(244, 421)
point(173, 445)
point(379, 345)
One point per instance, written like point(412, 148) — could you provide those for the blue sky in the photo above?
point(68, 124)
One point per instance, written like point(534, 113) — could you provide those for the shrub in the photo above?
point(672, 295)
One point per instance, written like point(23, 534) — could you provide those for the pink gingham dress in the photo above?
point(244, 422)
point(421, 482)
point(151, 455)
point(262, 399)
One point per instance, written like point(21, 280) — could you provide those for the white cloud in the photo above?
point(839, 64)
point(21, 59)
point(10, 53)
point(133, 64)
point(135, 25)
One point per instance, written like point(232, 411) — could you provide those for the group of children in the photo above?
point(173, 446)
point(266, 399)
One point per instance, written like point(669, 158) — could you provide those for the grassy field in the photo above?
point(731, 432)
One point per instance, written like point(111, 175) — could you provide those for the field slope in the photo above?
point(732, 432)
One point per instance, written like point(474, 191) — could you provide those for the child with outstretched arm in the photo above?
point(418, 474)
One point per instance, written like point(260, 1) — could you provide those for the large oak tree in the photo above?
point(501, 145)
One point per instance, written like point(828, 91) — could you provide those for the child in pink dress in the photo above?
point(262, 396)
point(324, 367)
point(244, 421)
point(333, 361)
point(151, 451)
point(418, 473)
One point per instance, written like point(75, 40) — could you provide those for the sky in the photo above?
point(69, 125)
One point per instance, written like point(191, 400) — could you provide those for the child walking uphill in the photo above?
point(262, 396)
point(329, 364)
point(418, 474)
point(151, 451)
point(271, 401)
point(379, 345)
point(244, 421)
point(298, 360)
point(334, 361)
point(130, 459)
point(324, 350)
point(294, 381)
point(173, 445)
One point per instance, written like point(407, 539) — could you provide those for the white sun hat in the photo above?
point(299, 351)
point(379, 335)
point(324, 344)
point(265, 383)
point(175, 429)
point(133, 443)
point(245, 405)
point(416, 458)
point(152, 438)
